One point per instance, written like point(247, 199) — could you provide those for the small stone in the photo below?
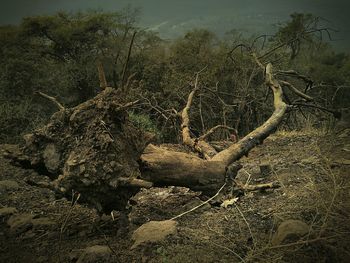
point(153, 231)
point(290, 229)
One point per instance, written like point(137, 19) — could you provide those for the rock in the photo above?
point(96, 254)
point(7, 211)
point(289, 229)
point(20, 223)
point(8, 185)
point(153, 231)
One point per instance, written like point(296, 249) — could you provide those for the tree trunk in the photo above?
point(165, 167)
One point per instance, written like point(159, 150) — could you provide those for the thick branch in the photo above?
point(243, 146)
point(199, 145)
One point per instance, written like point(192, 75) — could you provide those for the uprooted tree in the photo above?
point(94, 149)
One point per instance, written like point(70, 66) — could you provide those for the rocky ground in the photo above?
point(307, 219)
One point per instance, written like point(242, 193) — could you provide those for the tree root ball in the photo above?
point(90, 149)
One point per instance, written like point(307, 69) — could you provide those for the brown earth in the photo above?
point(37, 225)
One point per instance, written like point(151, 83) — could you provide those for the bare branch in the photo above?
point(126, 105)
point(258, 187)
point(52, 99)
point(335, 113)
point(296, 91)
point(293, 73)
point(199, 145)
point(212, 130)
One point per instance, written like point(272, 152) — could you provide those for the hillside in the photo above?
point(312, 167)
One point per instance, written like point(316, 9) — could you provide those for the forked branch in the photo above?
point(199, 145)
point(243, 146)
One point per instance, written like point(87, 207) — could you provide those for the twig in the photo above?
point(74, 202)
point(126, 105)
point(108, 244)
point(200, 205)
point(335, 113)
point(296, 91)
point(245, 220)
point(212, 130)
point(230, 250)
point(301, 242)
point(293, 73)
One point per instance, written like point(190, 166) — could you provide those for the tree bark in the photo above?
point(164, 167)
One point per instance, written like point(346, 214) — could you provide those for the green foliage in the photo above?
point(144, 122)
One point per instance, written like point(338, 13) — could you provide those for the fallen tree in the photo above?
point(94, 149)
point(162, 166)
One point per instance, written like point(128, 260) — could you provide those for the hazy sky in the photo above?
point(171, 18)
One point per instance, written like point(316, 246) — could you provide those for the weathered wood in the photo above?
point(198, 145)
point(243, 146)
point(164, 167)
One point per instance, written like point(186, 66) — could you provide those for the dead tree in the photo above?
point(164, 167)
point(94, 149)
